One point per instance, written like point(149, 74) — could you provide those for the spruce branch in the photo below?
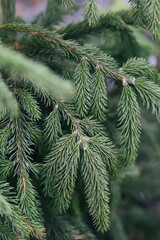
point(100, 99)
point(29, 103)
point(73, 139)
point(13, 218)
point(129, 125)
point(150, 94)
point(146, 13)
point(19, 151)
point(61, 171)
point(5, 208)
point(137, 11)
point(151, 13)
point(30, 205)
point(139, 67)
point(95, 178)
point(6, 233)
point(93, 127)
point(7, 169)
point(105, 147)
point(92, 11)
point(52, 128)
point(82, 81)
point(60, 168)
point(68, 47)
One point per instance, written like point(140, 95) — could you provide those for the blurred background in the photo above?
point(136, 208)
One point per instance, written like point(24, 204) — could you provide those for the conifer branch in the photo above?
point(67, 46)
point(73, 134)
point(92, 127)
point(6, 233)
point(95, 180)
point(5, 208)
point(150, 94)
point(100, 100)
point(13, 217)
point(129, 125)
point(137, 9)
point(89, 127)
point(105, 147)
point(151, 9)
point(92, 11)
point(146, 13)
point(61, 171)
point(19, 149)
point(82, 82)
point(7, 168)
point(62, 163)
point(139, 67)
point(52, 128)
point(29, 104)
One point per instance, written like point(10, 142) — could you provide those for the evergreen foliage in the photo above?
point(64, 136)
point(129, 124)
point(146, 13)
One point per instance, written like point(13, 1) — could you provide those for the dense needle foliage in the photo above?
point(71, 123)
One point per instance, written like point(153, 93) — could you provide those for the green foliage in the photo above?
point(96, 181)
point(52, 128)
point(60, 173)
point(8, 10)
point(5, 233)
point(129, 124)
point(141, 67)
point(29, 104)
point(99, 95)
point(34, 72)
point(150, 94)
point(110, 20)
point(64, 154)
point(82, 83)
point(151, 17)
point(146, 13)
point(91, 11)
point(11, 218)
